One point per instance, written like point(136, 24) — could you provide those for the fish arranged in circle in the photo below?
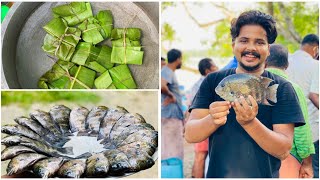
point(36, 143)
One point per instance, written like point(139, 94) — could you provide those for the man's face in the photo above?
point(251, 47)
point(316, 52)
point(212, 69)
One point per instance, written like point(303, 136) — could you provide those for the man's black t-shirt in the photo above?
point(232, 152)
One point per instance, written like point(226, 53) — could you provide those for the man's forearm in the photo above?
point(314, 98)
point(165, 90)
point(197, 130)
point(274, 143)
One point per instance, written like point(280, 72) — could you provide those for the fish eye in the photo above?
point(232, 93)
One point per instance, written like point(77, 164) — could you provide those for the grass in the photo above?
point(26, 98)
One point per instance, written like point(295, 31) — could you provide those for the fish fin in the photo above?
point(266, 81)
point(84, 155)
point(83, 133)
point(66, 150)
point(122, 109)
point(272, 93)
point(45, 175)
point(10, 172)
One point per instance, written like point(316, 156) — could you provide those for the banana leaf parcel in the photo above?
point(103, 81)
point(74, 13)
point(122, 78)
point(105, 19)
point(126, 46)
point(84, 52)
point(104, 57)
point(61, 40)
point(83, 77)
point(91, 31)
point(57, 77)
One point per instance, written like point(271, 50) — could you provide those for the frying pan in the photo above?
point(24, 62)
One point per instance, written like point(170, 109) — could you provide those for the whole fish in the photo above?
point(124, 122)
point(45, 120)
point(36, 145)
point(46, 168)
point(47, 135)
point(139, 160)
point(72, 168)
point(22, 162)
point(15, 129)
point(119, 162)
point(94, 119)
point(149, 136)
point(112, 116)
point(236, 85)
point(140, 146)
point(116, 140)
point(12, 151)
point(60, 115)
point(97, 166)
point(77, 120)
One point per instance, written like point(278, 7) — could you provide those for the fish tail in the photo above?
point(10, 172)
point(66, 150)
point(272, 93)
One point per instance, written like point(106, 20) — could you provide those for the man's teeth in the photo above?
point(249, 55)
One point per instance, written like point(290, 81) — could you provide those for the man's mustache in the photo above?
point(252, 53)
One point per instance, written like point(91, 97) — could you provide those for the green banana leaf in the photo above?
point(103, 81)
point(106, 21)
point(122, 78)
point(127, 55)
point(104, 57)
point(91, 31)
point(74, 13)
point(134, 34)
point(112, 86)
point(84, 75)
point(53, 77)
point(81, 53)
point(69, 9)
point(61, 40)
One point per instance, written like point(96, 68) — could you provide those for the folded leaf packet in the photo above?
point(61, 40)
point(73, 13)
point(126, 47)
point(122, 78)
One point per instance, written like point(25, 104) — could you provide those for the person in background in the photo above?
point(245, 141)
point(304, 70)
point(163, 62)
point(299, 163)
point(205, 66)
point(171, 108)
point(233, 63)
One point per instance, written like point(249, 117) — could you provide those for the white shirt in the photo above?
point(304, 70)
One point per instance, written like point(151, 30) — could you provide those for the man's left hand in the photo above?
point(244, 112)
point(306, 170)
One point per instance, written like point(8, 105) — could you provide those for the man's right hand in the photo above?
point(218, 111)
point(168, 100)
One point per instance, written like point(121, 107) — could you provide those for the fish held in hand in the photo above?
point(236, 85)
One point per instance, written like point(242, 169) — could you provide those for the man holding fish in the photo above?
point(248, 114)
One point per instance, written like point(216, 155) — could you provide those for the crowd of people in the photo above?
point(241, 139)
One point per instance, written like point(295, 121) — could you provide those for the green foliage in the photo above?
point(222, 41)
point(165, 5)
point(26, 98)
point(168, 33)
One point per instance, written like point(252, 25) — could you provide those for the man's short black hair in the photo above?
point(204, 64)
point(255, 18)
point(163, 59)
point(311, 39)
point(173, 55)
point(278, 56)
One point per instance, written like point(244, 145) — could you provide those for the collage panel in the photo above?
point(80, 45)
point(79, 134)
point(239, 89)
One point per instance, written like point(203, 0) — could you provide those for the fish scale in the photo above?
point(94, 119)
point(45, 120)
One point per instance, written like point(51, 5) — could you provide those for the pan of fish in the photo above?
point(78, 142)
